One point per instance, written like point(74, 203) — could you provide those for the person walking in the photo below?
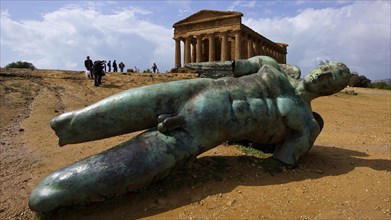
point(109, 65)
point(154, 67)
point(98, 69)
point(115, 69)
point(88, 64)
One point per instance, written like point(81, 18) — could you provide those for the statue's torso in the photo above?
point(261, 107)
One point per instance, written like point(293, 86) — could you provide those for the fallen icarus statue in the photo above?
point(267, 104)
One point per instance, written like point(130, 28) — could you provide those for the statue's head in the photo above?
point(327, 79)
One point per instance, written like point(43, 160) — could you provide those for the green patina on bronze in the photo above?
point(262, 101)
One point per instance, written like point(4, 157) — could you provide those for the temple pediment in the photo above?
point(207, 15)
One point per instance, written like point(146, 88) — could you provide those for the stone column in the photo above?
point(261, 50)
point(267, 49)
point(256, 46)
point(238, 45)
point(212, 48)
point(178, 53)
point(249, 47)
point(187, 50)
point(199, 49)
point(280, 57)
point(274, 52)
point(224, 47)
point(193, 51)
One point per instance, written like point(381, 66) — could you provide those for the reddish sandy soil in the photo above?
point(346, 175)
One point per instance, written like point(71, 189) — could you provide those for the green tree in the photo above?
point(21, 64)
point(357, 80)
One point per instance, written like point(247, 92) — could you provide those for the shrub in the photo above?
point(357, 80)
point(381, 85)
point(21, 64)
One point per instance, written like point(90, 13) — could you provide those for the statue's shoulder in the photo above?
point(273, 82)
point(291, 70)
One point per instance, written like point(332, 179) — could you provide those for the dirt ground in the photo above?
point(346, 175)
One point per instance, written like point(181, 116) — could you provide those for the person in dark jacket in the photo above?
point(115, 68)
point(109, 66)
point(98, 72)
point(121, 66)
point(88, 65)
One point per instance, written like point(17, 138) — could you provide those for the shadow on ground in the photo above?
point(212, 175)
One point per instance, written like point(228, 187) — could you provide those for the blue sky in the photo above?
point(60, 34)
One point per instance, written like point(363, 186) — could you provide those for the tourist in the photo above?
point(121, 66)
point(88, 65)
point(98, 70)
point(115, 69)
point(109, 65)
point(154, 68)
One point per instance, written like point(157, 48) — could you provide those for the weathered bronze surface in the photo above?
point(266, 104)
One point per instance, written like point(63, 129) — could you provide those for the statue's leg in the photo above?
point(126, 167)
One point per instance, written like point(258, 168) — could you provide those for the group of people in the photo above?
point(121, 66)
point(95, 70)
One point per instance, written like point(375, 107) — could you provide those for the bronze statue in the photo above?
point(267, 105)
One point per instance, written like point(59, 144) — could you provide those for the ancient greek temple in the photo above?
point(220, 36)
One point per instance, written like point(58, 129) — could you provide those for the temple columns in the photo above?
point(249, 47)
point(193, 51)
point(256, 48)
point(178, 53)
point(230, 45)
point(212, 49)
point(199, 49)
point(224, 47)
point(238, 45)
point(187, 58)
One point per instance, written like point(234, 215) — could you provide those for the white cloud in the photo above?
point(243, 4)
point(183, 6)
point(357, 34)
point(63, 38)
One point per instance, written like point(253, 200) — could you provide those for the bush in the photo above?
point(357, 80)
point(381, 85)
point(21, 64)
